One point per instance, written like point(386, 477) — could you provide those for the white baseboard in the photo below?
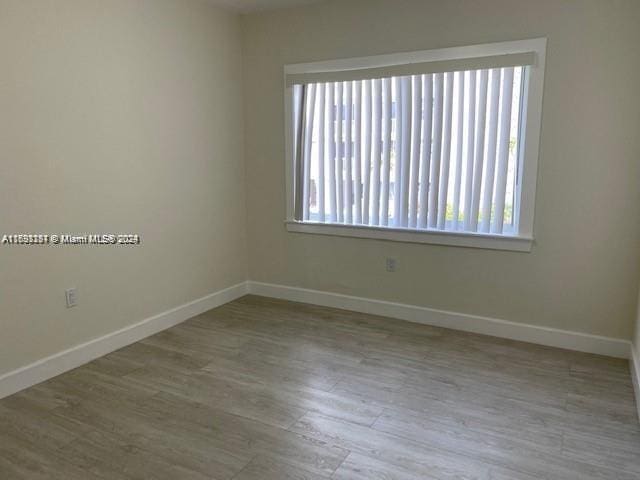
point(634, 363)
point(552, 337)
point(74, 357)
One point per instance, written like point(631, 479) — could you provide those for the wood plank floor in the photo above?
point(272, 390)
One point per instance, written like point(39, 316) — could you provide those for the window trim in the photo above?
point(528, 156)
point(409, 235)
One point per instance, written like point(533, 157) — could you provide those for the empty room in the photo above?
point(319, 239)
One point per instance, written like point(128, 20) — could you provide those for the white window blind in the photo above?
point(434, 146)
point(436, 151)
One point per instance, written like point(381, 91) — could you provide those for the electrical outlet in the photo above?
point(71, 295)
point(391, 264)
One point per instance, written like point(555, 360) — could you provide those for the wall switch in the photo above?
point(391, 264)
point(71, 296)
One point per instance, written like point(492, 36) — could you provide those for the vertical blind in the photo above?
point(428, 152)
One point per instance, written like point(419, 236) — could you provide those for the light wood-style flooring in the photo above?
point(272, 390)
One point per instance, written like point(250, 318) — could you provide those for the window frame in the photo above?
point(527, 166)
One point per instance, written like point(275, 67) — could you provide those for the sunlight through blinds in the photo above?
point(435, 151)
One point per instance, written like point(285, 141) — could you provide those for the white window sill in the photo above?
point(457, 239)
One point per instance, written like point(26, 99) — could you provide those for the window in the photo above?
point(437, 146)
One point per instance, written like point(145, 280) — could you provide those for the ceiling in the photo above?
point(249, 6)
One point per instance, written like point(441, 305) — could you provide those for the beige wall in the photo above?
point(581, 273)
point(122, 116)
point(116, 116)
point(636, 337)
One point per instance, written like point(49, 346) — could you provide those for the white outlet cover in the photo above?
point(71, 296)
point(391, 264)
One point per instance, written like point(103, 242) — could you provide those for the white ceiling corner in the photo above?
point(250, 6)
